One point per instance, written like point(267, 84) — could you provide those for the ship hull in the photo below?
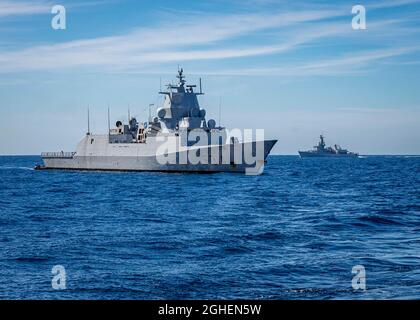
point(130, 158)
point(135, 165)
point(304, 154)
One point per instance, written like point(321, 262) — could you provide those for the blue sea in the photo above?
point(294, 232)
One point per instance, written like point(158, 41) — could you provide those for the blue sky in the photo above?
point(294, 68)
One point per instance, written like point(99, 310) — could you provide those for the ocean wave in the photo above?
point(16, 168)
point(377, 220)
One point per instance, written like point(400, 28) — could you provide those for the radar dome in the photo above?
point(161, 113)
point(211, 124)
point(202, 113)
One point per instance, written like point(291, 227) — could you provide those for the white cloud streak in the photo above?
point(163, 43)
point(201, 37)
point(391, 3)
point(352, 63)
point(12, 8)
point(15, 7)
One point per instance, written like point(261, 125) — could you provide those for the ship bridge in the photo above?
point(180, 112)
point(181, 108)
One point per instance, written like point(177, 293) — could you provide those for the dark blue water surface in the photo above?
point(294, 232)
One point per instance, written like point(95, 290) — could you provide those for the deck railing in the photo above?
point(63, 155)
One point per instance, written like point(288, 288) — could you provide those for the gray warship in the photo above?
point(321, 151)
point(178, 139)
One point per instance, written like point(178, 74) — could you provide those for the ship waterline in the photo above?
point(309, 154)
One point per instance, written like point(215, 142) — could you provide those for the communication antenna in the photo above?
point(109, 124)
point(88, 120)
point(201, 90)
point(128, 113)
point(220, 111)
point(150, 112)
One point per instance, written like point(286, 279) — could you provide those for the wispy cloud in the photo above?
point(352, 63)
point(16, 7)
point(391, 3)
point(208, 37)
point(34, 7)
point(163, 43)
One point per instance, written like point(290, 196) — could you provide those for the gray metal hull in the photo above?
point(130, 164)
point(132, 158)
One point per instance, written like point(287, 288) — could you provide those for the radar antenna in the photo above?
point(181, 77)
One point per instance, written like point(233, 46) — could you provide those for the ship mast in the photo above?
point(88, 122)
point(321, 143)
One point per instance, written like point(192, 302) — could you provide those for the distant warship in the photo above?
point(164, 143)
point(321, 151)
